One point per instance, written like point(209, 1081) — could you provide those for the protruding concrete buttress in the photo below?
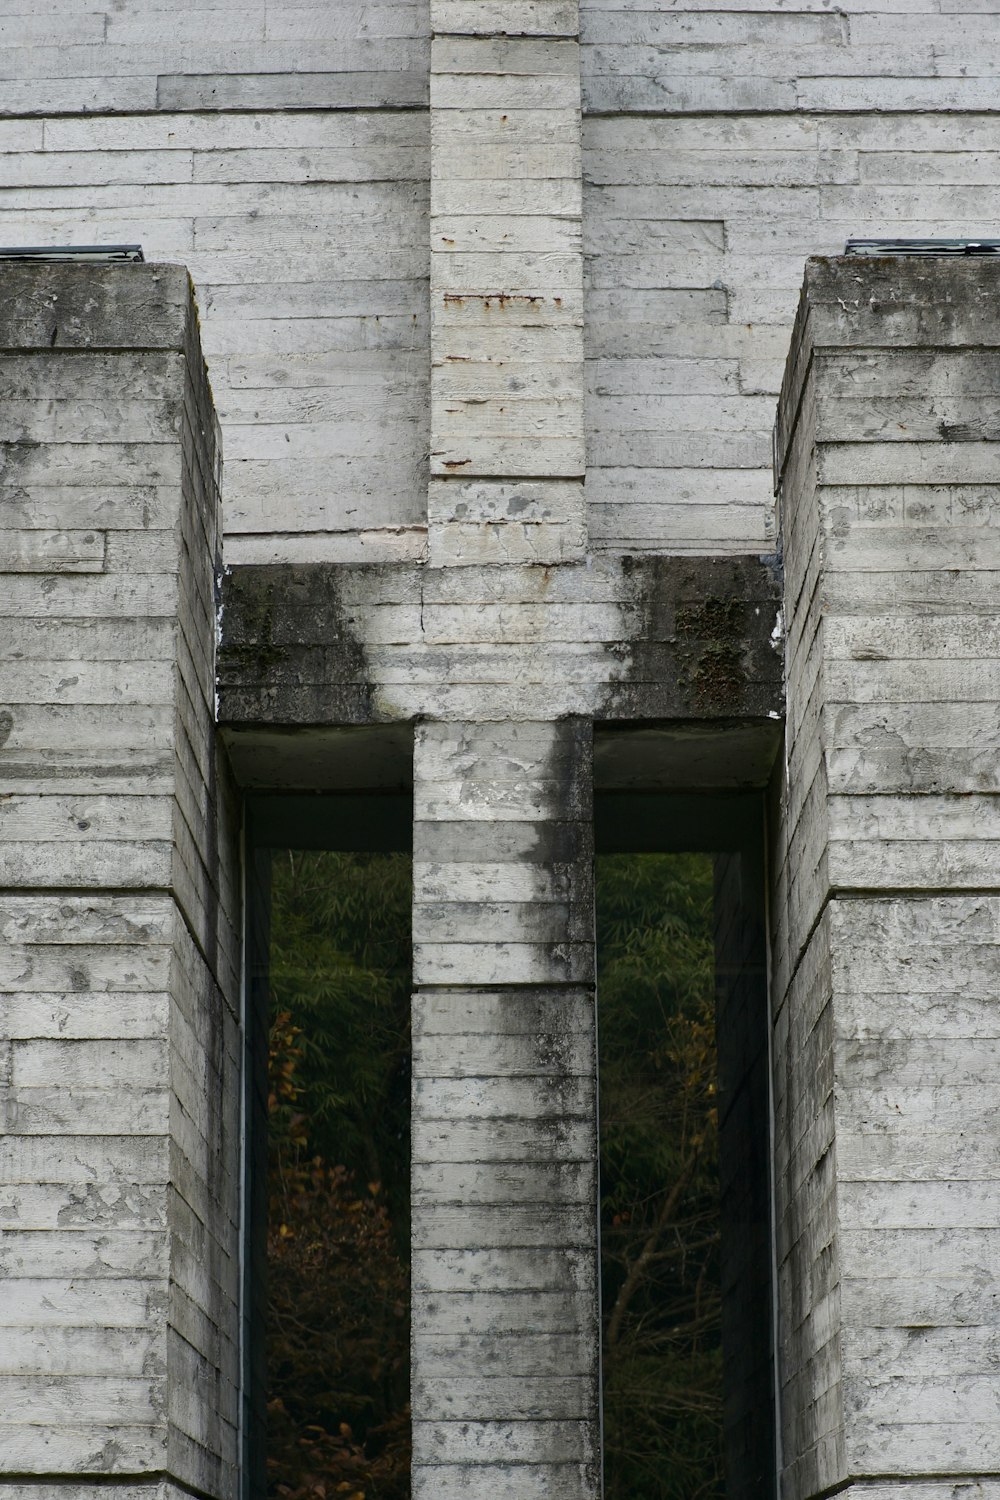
point(886, 900)
point(118, 899)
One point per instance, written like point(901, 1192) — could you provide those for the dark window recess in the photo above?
point(744, 1102)
point(922, 247)
point(90, 254)
point(330, 1189)
point(660, 1230)
point(687, 1258)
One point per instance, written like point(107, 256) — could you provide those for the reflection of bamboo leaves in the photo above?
point(338, 1305)
point(659, 1178)
point(340, 959)
point(639, 1267)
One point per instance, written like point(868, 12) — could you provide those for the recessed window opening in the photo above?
point(660, 1232)
point(330, 1189)
point(684, 1149)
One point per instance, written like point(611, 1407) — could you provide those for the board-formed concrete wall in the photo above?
point(886, 906)
point(282, 152)
point(117, 884)
point(118, 898)
point(723, 144)
point(449, 258)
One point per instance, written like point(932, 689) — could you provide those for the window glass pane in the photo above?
point(659, 1178)
point(338, 1176)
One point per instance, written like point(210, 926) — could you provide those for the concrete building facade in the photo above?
point(495, 298)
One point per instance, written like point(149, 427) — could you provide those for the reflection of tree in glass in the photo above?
point(338, 1170)
point(659, 1179)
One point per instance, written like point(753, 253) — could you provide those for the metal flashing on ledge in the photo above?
point(52, 254)
point(922, 247)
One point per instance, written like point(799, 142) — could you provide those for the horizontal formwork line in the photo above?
point(909, 893)
point(500, 1333)
point(503, 1205)
point(87, 891)
point(373, 108)
point(517, 1155)
point(77, 1477)
point(59, 350)
point(893, 444)
point(507, 479)
point(508, 1462)
point(539, 1123)
point(445, 1340)
point(549, 1078)
point(474, 987)
point(100, 892)
point(460, 474)
point(370, 108)
point(876, 112)
point(433, 986)
point(295, 182)
point(912, 1476)
point(515, 1118)
point(418, 529)
point(565, 38)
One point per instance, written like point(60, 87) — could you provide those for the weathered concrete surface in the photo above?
point(129, 1489)
point(622, 639)
point(118, 897)
point(722, 145)
point(504, 1300)
point(504, 668)
point(283, 153)
point(506, 1335)
point(886, 899)
point(284, 159)
point(507, 438)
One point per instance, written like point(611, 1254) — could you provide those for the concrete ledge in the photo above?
point(124, 305)
point(899, 302)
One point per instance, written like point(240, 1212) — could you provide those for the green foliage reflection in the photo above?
point(659, 1178)
point(338, 1177)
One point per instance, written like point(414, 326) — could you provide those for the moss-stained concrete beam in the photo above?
point(626, 639)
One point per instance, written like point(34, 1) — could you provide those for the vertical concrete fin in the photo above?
point(117, 881)
point(505, 1332)
point(886, 899)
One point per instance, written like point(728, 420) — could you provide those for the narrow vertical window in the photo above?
point(332, 1184)
point(660, 1230)
point(687, 1265)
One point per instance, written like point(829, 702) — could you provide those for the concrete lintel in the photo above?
point(322, 758)
point(628, 640)
point(688, 757)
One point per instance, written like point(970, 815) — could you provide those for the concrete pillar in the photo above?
point(507, 446)
point(119, 966)
point(886, 907)
point(505, 1328)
